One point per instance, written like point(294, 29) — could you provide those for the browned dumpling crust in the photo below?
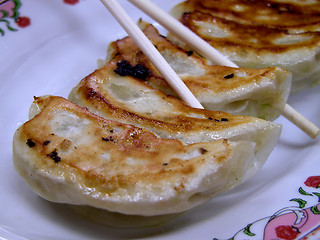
point(256, 92)
point(127, 99)
point(70, 155)
point(294, 16)
point(257, 34)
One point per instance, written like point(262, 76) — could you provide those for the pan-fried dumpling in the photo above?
point(257, 34)
point(129, 100)
point(293, 16)
point(69, 155)
point(255, 92)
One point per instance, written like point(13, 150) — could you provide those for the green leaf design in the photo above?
point(5, 21)
point(16, 8)
point(303, 192)
point(315, 210)
point(5, 13)
point(302, 203)
point(11, 28)
point(297, 229)
point(318, 195)
point(247, 230)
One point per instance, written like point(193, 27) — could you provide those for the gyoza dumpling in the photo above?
point(129, 100)
point(293, 16)
point(66, 154)
point(257, 34)
point(255, 92)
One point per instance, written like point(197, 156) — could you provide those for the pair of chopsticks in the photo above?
point(196, 43)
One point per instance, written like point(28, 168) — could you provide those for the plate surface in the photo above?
point(59, 47)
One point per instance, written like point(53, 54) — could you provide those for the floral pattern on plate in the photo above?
point(10, 15)
point(299, 221)
point(289, 223)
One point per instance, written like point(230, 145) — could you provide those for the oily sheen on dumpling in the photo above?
point(257, 34)
point(260, 93)
point(127, 99)
point(67, 154)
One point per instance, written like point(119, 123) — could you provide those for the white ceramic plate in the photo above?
point(59, 48)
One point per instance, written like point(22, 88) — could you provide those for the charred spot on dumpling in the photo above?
point(54, 155)
point(124, 68)
point(231, 75)
point(216, 120)
point(91, 93)
point(203, 150)
point(30, 143)
point(140, 72)
point(45, 143)
point(189, 53)
point(108, 139)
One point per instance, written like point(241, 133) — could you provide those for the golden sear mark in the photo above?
point(134, 154)
point(252, 37)
point(293, 16)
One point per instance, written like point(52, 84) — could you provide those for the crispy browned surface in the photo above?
point(67, 154)
point(256, 34)
point(213, 80)
point(174, 115)
point(295, 16)
point(81, 160)
point(254, 38)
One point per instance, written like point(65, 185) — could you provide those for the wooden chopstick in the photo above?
point(183, 33)
point(209, 52)
point(151, 52)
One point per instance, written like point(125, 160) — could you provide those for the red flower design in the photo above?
point(72, 2)
point(313, 181)
point(286, 232)
point(23, 21)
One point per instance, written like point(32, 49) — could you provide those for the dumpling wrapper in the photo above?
point(67, 154)
point(260, 34)
point(260, 93)
point(293, 16)
point(129, 100)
